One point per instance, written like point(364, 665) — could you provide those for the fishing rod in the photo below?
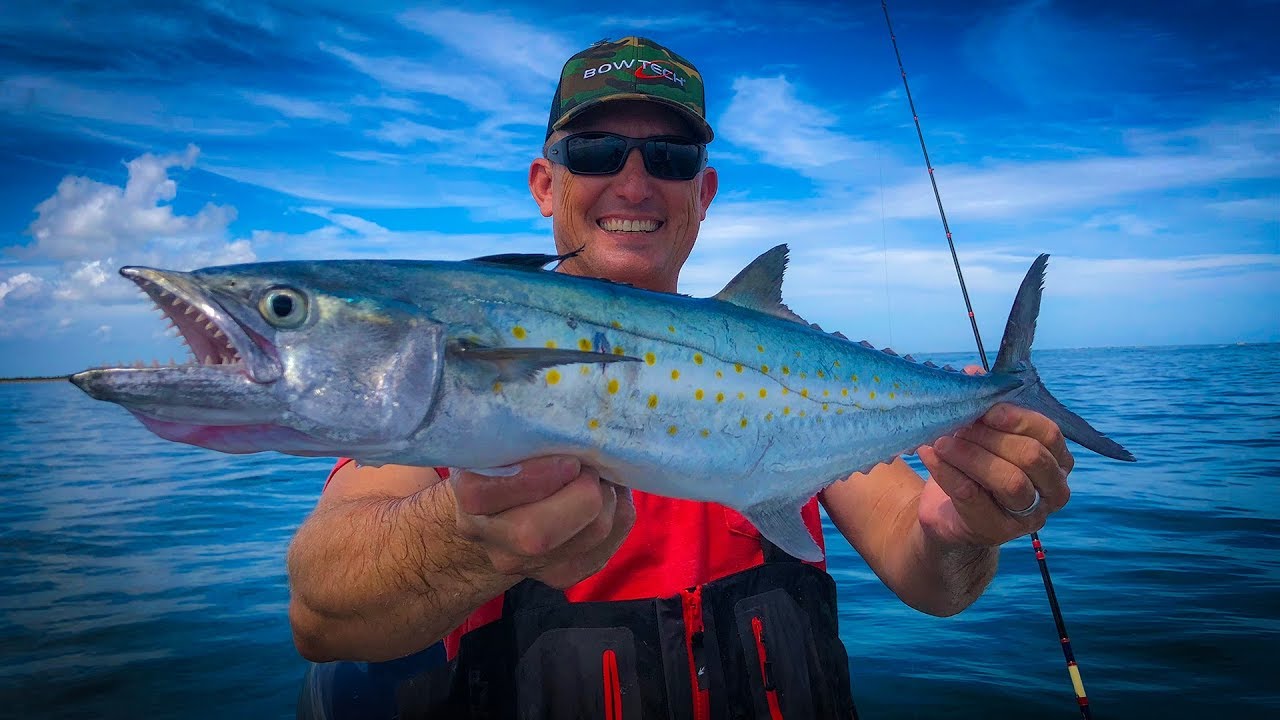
point(1072, 669)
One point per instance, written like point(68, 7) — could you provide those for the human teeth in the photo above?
point(619, 225)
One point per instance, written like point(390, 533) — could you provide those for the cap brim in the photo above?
point(696, 123)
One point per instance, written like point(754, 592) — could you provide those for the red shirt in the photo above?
point(674, 544)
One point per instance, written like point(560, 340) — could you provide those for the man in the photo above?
point(395, 559)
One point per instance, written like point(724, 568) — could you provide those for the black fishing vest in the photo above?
point(761, 643)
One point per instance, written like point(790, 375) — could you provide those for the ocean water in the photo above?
point(142, 578)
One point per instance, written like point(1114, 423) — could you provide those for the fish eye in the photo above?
point(283, 307)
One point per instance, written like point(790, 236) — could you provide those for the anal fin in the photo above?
point(780, 522)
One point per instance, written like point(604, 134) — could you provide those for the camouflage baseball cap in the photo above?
point(633, 68)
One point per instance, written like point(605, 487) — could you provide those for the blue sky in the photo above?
point(1137, 142)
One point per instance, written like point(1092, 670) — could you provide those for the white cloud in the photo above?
point(300, 108)
point(768, 116)
point(516, 49)
point(87, 229)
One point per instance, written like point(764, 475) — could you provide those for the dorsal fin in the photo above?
point(525, 261)
point(759, 286)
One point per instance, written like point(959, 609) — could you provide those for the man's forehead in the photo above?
point(632, 117)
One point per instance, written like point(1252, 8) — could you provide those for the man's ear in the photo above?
point(707, 189)
point(540, 185)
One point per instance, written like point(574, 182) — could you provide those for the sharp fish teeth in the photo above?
point(189, 310)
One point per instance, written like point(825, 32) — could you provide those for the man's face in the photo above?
point(631, 226)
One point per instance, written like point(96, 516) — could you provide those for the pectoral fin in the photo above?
point(780, 522)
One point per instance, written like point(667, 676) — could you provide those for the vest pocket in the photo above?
point(781, 669)
point(587, 673)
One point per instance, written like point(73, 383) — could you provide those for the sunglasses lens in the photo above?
point(603, 154)
point(595, 154)
point(672, 160)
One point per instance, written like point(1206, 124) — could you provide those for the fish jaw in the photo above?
point(357, 376)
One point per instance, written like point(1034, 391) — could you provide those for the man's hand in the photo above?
point(990, 468)
point(554, 521)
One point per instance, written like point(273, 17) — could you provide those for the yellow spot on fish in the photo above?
point(742, 395)
point(853, 377)
point(742, 422)
point(804, 376)
point(618, 350)
point(698, 394)
point(586, 370)
point(764, 392)
point(649, 358)
point(615, 325)
point(719, 397)
point(821, 374)
point(653, 401)
point(519, 332)
point(551, 344)
point(835, 363)
point(697, 358)
point(844, 392)
point(802, 413)
point(719, 374)
point(873, 394)
point(704, 432)
point(671, 328)
point(672, 430)
point(737, 367)
point(786, 410)
point(584, 344)
point(826, 393)
point(839, 411)
point(497, 387)
point(896, 386)
point(612, 387)
point(553, 377)
point(764, 368)
point(675, 374)
point(760, 348)
point(768, 416)
point(891, 395)
point(824, 406)
point(786, 370)
point(804, 392)
point(593, 423)
point(875, 378)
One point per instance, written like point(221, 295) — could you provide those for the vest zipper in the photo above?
point(694, 643)
point(766, 670)
point(612, 687)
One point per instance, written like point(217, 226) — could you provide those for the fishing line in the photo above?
point(884, 245)
point(1077, 684)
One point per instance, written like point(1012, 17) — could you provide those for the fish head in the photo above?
point(290, 357)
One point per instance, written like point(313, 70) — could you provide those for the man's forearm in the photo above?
point(942, 579)
point(379, 578)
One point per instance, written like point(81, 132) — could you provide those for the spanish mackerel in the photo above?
point(484, 363)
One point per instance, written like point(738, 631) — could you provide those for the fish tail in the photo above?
point(1014, 358)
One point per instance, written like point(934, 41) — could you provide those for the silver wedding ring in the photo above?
point(1035, 505)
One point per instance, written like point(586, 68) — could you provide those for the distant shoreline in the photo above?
point(47, 378)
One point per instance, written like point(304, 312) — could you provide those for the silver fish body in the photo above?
point(480, 364)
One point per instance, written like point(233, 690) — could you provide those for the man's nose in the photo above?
point(633, 182)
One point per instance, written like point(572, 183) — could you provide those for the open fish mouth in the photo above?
point(215, 339)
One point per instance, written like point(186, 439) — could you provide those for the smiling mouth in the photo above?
point(628, 226)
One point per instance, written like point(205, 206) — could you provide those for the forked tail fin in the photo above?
point(1015, 359)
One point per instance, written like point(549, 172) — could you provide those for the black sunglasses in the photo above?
point(601, 153)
